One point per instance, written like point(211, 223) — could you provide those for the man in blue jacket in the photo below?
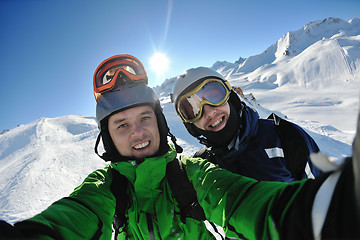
point(235, 137)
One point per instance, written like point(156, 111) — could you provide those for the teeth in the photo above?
point(217, 123)
point(141, 145)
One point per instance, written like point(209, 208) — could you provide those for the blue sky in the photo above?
point(50, 49)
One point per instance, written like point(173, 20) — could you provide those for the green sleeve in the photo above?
point(243, 205)
point(86, 213)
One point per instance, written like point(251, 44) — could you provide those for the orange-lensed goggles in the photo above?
point(119, 66)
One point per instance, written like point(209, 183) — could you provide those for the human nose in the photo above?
point(208, 110)
point(137, 129)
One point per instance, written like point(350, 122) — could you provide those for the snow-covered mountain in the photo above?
point(311, 49)
point(311, 76)
point(41, 162)
point(317, 65)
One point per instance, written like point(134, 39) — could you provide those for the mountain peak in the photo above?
point(326, 49)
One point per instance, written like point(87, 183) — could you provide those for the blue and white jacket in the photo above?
point(257, 151)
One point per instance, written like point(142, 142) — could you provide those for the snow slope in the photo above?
point(41, 162)
point(311, 76)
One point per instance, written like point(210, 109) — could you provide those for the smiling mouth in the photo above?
point(141, 145)
point(217, 123)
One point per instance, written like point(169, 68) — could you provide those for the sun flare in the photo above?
point(159, 63)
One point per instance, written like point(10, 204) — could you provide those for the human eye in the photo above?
point(146, 118)
point(122, 126)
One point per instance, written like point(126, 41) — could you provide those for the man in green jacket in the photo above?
point(324, 208)
point(134, 133)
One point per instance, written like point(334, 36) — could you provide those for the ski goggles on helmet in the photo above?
point(113, 68)
point(212, 91)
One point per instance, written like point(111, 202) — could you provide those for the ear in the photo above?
point(111, 153)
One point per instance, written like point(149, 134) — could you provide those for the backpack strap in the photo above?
point(184, 192)
point(118, 187)
point(296, 151)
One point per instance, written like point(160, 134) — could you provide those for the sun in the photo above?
point(159, 63)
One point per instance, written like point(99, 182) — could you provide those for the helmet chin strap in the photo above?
point(105, 156)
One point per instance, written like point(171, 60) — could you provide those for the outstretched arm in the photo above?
point(250, 208)
point(86, 214)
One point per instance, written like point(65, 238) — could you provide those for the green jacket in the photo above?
point(249, 208)
point(88, 212)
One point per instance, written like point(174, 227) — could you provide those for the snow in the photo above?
point(41, 162)
point(310, 76)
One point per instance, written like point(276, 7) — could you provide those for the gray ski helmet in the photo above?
point(123, 97)
point(190, 77)
point(123, 90)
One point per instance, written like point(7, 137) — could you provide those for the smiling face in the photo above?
point(135, 132)
point(214, 118)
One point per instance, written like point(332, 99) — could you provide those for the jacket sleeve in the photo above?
point(249, 208)
point(86, 214)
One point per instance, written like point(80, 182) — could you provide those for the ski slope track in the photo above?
point(309, 76)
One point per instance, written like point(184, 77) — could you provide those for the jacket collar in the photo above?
point(146, 177)
point(248, 127)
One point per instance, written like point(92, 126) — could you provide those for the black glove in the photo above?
point(8, 232)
